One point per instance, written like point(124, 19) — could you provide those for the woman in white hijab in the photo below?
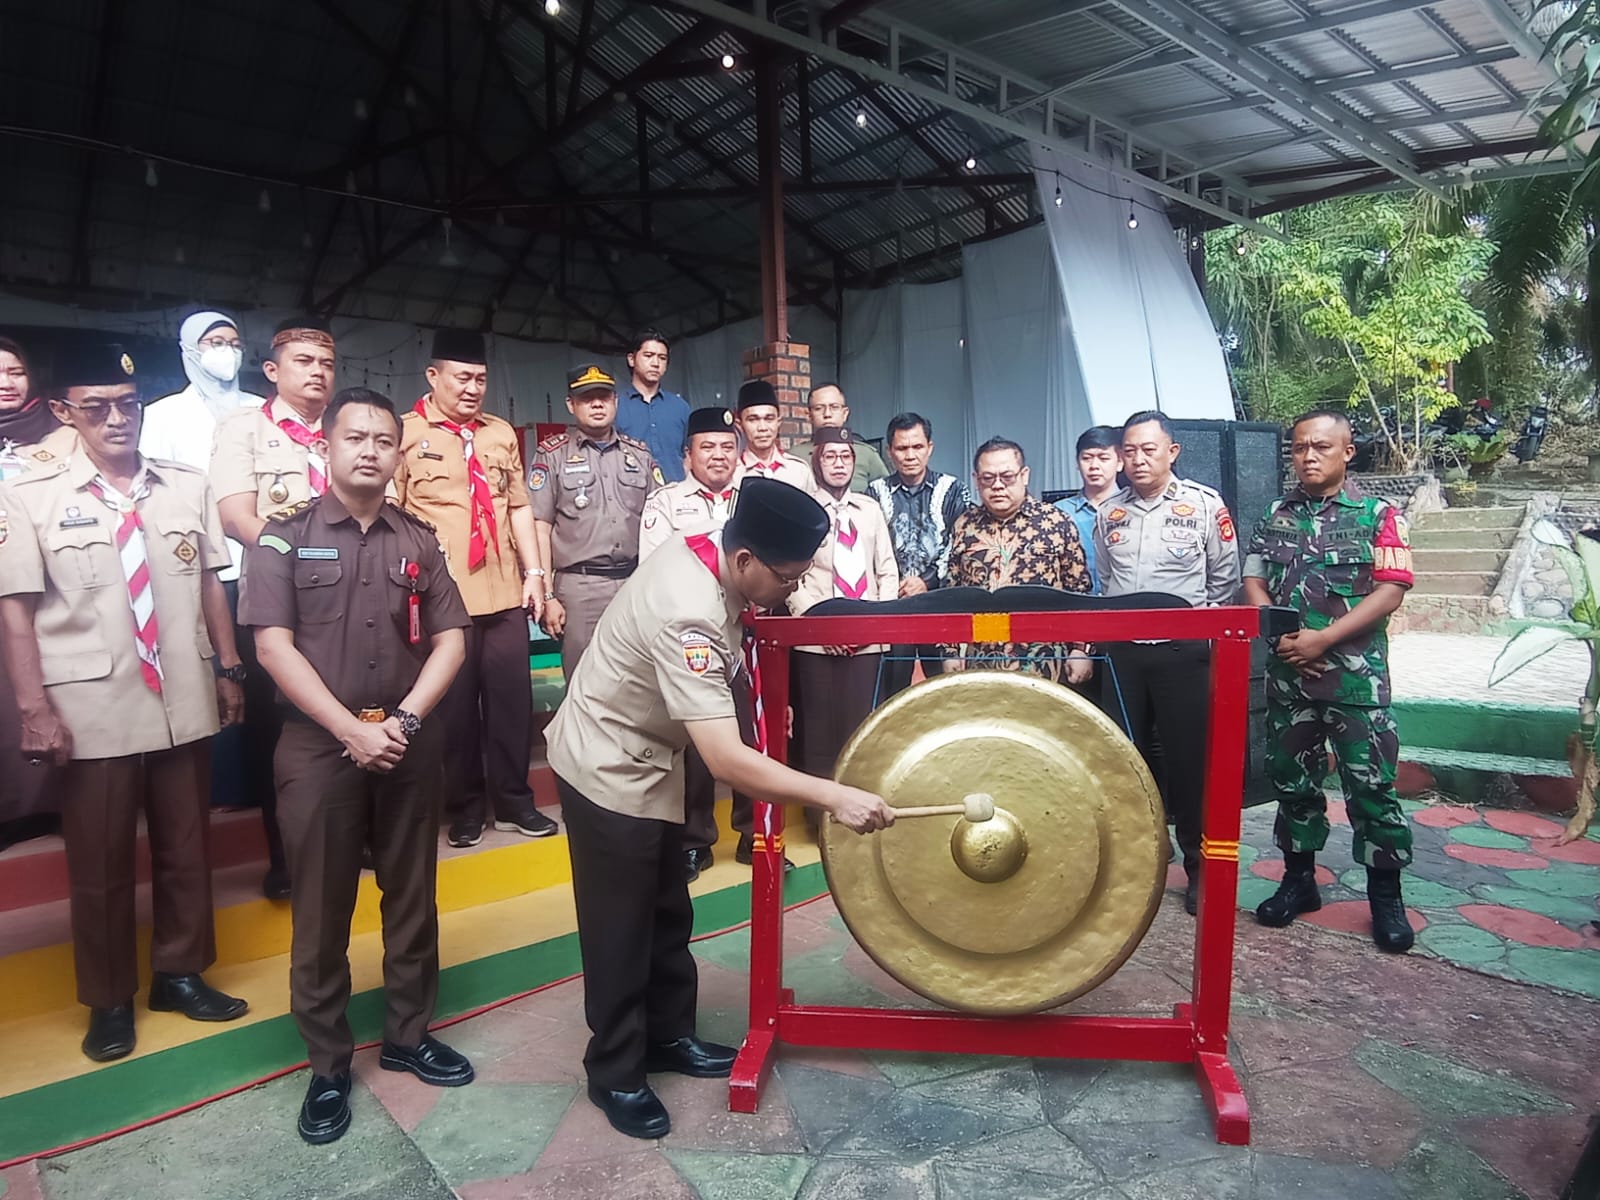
point(180, 426)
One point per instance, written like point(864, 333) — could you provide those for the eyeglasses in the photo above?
point(786, 580)
point(1004, 479)
point(220, 344)
point(97, 413)
point(827, 409)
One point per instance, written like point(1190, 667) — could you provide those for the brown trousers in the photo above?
point(102, 801)
point(329, 809)
point(585, 598)
point(488, 720)
point(832, 694)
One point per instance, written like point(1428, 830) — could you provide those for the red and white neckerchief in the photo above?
point(720, 503)
point(485, 531)
point(136, 570)
point(301, 434)
point(849, 555)
point(706, 550)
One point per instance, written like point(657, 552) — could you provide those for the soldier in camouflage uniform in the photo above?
point(1341, 560)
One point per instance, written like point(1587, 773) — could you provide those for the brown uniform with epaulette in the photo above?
point(136, 748)
point(345, 595)
point(592, 496)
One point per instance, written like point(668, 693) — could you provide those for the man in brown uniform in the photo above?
point(119, 642)
point(658, 676)
point(461, 471)
point(359, 623)
point(588, 485)
point(263, 463)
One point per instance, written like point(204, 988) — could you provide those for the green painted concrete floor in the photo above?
point(1463, 1072)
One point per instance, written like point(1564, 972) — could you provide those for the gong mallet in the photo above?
point(977, 807)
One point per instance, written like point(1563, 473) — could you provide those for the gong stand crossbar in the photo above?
point(1197, 1031)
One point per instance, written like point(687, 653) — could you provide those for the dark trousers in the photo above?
point(330, 809)
point(585, 598)
point(488, 719)
point(30, 794)
point(634, 920)
point(833, 694)
point(700, 789)
point(902, 661)
point(245, 750)
point(1167, 690)
point(103, 798)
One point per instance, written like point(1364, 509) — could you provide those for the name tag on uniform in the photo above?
point(317, 552)
point(577, 470)
point(430, 454)
point(629, 462)
point(78, 522)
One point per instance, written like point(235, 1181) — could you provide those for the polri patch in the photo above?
point(538, 477)
point(322, 552)
point(1225, 525)
point(272, 541)
point(696, 652)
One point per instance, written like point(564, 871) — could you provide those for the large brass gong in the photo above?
point(1024, 911)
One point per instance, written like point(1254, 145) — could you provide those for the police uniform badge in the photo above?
point(1183, 510)
point(696, 652)
point(655, 473)
point(1117, 514)
point(277, 490)
point(538, 477)
point(1225, 525)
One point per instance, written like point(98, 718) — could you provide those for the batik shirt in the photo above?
point(1321, 555)
point(920, 521)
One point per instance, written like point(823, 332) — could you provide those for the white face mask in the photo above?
point(221, 362)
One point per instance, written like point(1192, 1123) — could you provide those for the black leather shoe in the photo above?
point(745, 852)
point(691, 1056)
point(1298, 893)
point(430, 1061)
point(194, 998)
point(325, 1114)
point(110, 1033)
point(1191, 894)
point(275, 883)
point(533, 824)
point(1391, 931)
point(695, 861)
point(638, 1114)
point(468, 831)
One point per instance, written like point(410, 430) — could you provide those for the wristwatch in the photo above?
point(410, 723)
point(534, 573)
point(234, 674)
point(549, 596)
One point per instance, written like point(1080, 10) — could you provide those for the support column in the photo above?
point(787, 367)
point(769, 163)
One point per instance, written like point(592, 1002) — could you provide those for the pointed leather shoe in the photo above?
point(325, 1113)
point(1391, 930)
point(1297, 893)
point(430, 1061)
point(110, 1033)
point(1191, 894)
point(691, 1056)
point(194, 998)
point(638, 1114)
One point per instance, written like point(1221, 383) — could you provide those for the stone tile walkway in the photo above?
point(1369, 1076)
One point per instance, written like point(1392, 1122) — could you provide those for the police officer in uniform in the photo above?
point(588, 485)
point(657, 677)
point(461, 471)
point(360, 625)
point(1342, 560)
point(1165, 534)
point(264, 462)
point(764, 456)
point(121, 649)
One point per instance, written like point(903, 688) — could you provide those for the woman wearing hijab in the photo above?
point(25, 417)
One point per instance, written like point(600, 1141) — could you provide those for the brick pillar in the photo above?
point(787, 367)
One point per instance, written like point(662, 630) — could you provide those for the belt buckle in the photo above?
point(372, 716)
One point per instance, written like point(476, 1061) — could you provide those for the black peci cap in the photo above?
point(755, 393)
point(825, 435)
point(304, 321)
point(709, 420)
point(779, 523)
point(91, 364)
point(459, 345)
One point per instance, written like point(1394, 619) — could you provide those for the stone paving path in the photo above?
point(1368, 1076)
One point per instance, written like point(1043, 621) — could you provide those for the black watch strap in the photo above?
point(234, 674)
point(410, 723)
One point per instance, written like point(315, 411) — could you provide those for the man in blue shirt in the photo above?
point(1099, 461)
point(650, 413)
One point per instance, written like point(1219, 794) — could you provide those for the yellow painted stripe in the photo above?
point(991, 627)
point(1222, 851)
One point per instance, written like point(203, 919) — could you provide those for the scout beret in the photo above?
point(459, 345)
point(587, 377)
point(709, 420)
point(755, 393)
point(776, 522)
point(91, 364)
point(826, 435)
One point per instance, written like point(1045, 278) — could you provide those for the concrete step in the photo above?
point(1472, 518)
point(1430, 561)
point(1457, 583)
point(1423, 538)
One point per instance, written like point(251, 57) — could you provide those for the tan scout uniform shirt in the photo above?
point(60, 544)
point(1182, 542)
point(251, 454)
point(681, 509)
point(785, 468)
point(877, 551)
point(612, 480)
point(42, 455)
point(666, 652)
point(432, 482)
